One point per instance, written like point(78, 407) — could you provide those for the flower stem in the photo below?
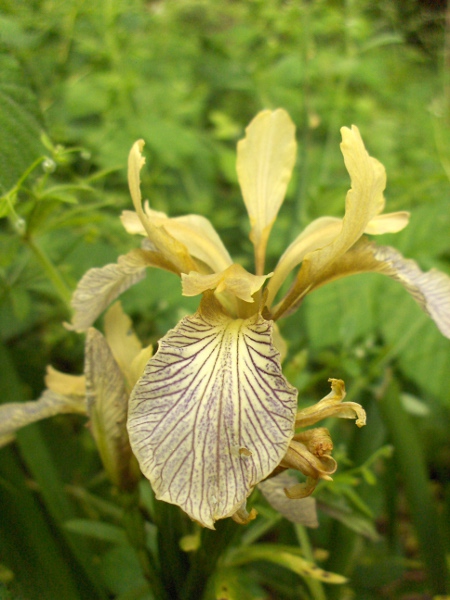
point(49, 269)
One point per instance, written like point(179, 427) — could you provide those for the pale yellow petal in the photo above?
point(122, 340)
point(194, 231)
point(170, 249)
point(364, 201)
point(265, 160)
point(316, 235)
point(66, 385)
point(235, 280)
point(213, 414)
point(387, 223)
point(107, 404)
point(15, 415)
point(431, 290)
point(101, 286)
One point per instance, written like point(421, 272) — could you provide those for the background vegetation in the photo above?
point(79, 83)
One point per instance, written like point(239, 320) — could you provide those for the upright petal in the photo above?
point(170, 249)
point(213, 414)
point(265, 160)
point(363, 203)
point(194, 231)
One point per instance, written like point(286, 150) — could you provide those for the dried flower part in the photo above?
point(300, 458)
point(302, 510)
point(332, 406)
point(242, 516)
point(213, 414)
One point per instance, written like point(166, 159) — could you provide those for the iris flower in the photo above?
point(212, 414)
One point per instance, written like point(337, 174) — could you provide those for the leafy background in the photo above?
point(79, 83)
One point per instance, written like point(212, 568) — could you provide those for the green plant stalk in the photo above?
point(134, 524)
point(213, 545)
point(315, 586)
point(51, 272)
point(411, 465)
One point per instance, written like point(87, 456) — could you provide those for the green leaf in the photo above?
point(285, 556)
point(97, 530)
point(21, 124)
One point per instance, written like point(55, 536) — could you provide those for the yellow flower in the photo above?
point(113, 364)
point(213, 414)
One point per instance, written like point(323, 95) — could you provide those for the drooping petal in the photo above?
point(101, 286)
point(213, 414)
point(122, 340)
point(167, 246)
point(235, 280)
point(301, 511)
point(431, 290)
point(364, 201)
point(332, 405)
point(194, 231)
point(265, 160)
point(15, 415)
point(107, 403)
point(67, 385)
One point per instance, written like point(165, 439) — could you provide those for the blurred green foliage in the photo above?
point(79, 83)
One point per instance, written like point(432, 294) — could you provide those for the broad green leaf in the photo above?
point(21, 124)
point(213, 414)
point(285, 556)
point(104, 532)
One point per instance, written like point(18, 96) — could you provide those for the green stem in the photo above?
point(205, 559)
point(135, 528)
point(50, 270)
point(315, 586)
point(411, 466)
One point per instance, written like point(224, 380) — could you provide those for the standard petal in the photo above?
point(14, 415)
point(107, 403)
point(194, 231)
point(265, 160)
point(101, 286)
point(170, 249)
point(297, 511)
point(213, 414)
point(363, 203)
